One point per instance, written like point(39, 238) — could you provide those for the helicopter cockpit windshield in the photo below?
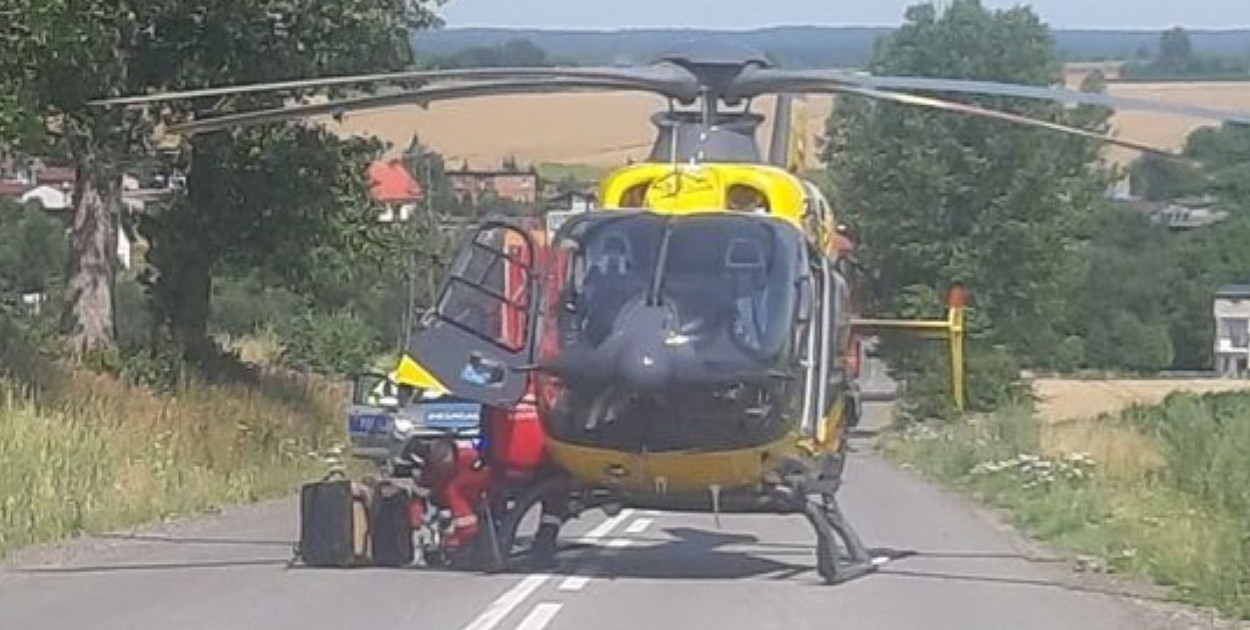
point(673, 330)
point(727, 281)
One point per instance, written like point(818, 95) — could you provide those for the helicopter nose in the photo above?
point(645, 365)
point(643, 360)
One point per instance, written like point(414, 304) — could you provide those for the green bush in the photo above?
point(33, 250)
point(337, 342)
point(992, 381)
point(1070, 354)
point(241, 306)
point(159, 366)
point(1206, 442)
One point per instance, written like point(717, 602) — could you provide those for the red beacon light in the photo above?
point(957, 296)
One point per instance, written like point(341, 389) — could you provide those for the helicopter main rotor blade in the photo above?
point(420, 97)
point(664, 78)
point(981, 112)
point(754, 82)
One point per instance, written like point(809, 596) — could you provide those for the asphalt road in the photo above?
point(639, 570)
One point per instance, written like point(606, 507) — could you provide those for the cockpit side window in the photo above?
point(613, 263)
point(743, 198)
point(635, 196)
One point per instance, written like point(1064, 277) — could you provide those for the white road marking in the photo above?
point(615, 545)
point(607, 526)
point(574, 583)
point(500, 608)
point(540, 616)
point(649, 513)
point(639, 525)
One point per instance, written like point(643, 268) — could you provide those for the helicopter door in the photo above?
point(480, 335)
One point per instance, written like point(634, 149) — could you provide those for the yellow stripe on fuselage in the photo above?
point(677, 471)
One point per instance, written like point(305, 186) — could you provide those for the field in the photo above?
point(1073, 399)
point(1154, 488)
point(1078, 416)
point(610, 129)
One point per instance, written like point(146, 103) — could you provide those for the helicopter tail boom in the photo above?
point(951, 329)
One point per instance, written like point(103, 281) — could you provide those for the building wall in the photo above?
point(519, 187)
point(1232, 336)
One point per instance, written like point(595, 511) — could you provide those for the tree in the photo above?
point(937, 198)
point(56, 55)
point(1158, 178)
point(263, 197)
point(1176, 51)
point(271, 210)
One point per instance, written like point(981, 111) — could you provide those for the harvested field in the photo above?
point(1071, 399)
point(593, 129)
point(1171, 131)
point(1072, 422)
point(610, 129)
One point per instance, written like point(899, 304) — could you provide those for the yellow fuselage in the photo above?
point(702, 189)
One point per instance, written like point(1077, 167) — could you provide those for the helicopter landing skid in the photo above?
point(833, 531)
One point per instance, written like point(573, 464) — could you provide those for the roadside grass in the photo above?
point(1158, 492)
point(82, 452)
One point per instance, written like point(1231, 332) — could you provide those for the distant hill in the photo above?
point(795, 46)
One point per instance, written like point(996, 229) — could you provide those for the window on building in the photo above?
point(1236, 330)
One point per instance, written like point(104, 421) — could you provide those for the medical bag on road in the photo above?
point(334, 523)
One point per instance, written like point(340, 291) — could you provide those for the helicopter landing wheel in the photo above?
point(527, 531)
point(833, 533)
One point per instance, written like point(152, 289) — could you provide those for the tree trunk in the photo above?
point(190, 288)
point(88, 319)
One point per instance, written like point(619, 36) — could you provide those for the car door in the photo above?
point(479, 338)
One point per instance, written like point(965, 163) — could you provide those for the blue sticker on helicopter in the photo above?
point(471, 374)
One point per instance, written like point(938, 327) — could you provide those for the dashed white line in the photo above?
point(500, 608)
point(540, 616)
point(615, 545)
point(607, 526)
point(639, 525)
point(543, 613)
point(575, 583)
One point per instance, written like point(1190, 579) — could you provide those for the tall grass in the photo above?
point(1173, 506)
point(82, 452)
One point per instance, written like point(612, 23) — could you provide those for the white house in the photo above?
point(1232, 330)
point(50, 197)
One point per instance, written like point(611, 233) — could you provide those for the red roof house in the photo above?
point(390, 182)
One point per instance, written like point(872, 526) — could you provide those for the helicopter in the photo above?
point(691, 344)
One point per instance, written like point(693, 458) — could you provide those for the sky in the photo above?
point(747, 14)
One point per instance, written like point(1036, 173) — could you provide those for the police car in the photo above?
point(384, 415)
